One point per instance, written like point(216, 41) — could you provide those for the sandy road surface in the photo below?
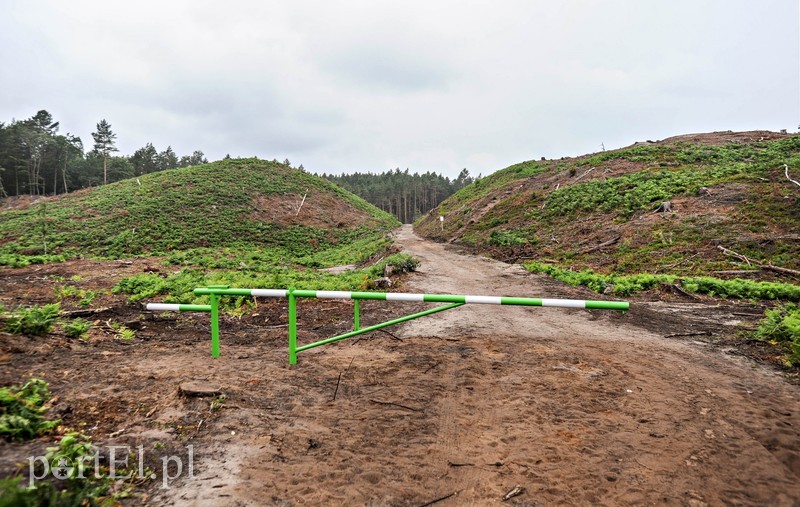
point(577, 407)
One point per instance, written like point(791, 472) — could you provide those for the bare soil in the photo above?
point(658, 406)
point(317, 210)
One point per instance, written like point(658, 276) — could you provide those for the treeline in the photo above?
point(36, 160)
point(405, 195)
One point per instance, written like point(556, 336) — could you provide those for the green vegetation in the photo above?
point(123, 332)
point(597, 212)
point(77, 328)
point(781, 326)
point(229, 204)
point(22, 411)
point(634, 192)
point(178, 287)
point(85, 297)
point(405, 195)
point(625, 285)
point(37, 160)
point(33, 321)
point(401, 262)
point(84, 486)
point(21, 261)
point(505, 238)
point(492, 183)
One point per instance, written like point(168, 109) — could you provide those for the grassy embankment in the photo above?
point(233, 222)
point(591, 220)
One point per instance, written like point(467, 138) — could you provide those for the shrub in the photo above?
point(403, 263)
point(35, 320)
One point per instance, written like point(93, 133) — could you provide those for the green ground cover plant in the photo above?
point(77, 328)
point(630, 193)
point(781, 326)
point(401, 262)
point(625, 285)
point(22, 411)
point(178, 287)
point(209, 206)
point(36, 320)
point(85, 486)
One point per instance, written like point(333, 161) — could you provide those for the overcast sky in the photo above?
point(425, 85)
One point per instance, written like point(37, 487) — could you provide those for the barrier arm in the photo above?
point(452, 300)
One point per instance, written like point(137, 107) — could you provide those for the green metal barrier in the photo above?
point(216, 292)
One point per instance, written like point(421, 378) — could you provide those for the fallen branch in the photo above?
point(780, 270)
point(84, 313)
point(437, 500)
point(339, 380)
point(671, 266)
point(390, 334)
point(451, 464)
point(696, 333)
point(683, 292)
point(601, 245)
point(301, 203)
point(117, 433)
point(396, 405)
point(434, 365)
point(786, 172)
point(584, 174)
point(750, 262)
point(515, 491)
point(737, 272)
point(731, 253)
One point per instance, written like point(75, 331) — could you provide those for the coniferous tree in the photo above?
point(405, 195)
point(194, 159)
point(167, 159)
point(104, 144)
point(145, 160)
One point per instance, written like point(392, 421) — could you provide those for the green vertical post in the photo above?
point(292, 327)
point(356, 315)
point(214, 324)
point(214, 298)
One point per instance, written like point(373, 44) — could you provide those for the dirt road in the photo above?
point(576, 407)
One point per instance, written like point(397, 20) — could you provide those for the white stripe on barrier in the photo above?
point(163, 307)
point(488, 300)
point(269, 293)
point(404, 296)
point(564, 303)
point(334, 294)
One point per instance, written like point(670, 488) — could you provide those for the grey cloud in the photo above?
point(381, 68)
point(360, 85)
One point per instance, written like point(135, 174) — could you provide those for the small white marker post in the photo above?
point(441, 222)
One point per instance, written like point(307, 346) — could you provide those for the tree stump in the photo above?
point(198, 388)
point(665, 207)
